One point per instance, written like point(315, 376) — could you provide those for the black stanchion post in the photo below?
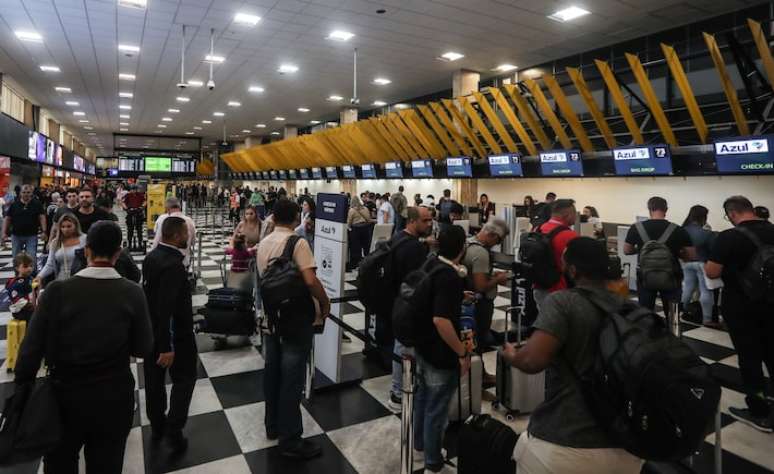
point(407, 418)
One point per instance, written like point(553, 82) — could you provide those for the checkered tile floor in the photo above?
point(353, 425)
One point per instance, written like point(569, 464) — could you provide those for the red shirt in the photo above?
point(559, 244)
point(134, 199)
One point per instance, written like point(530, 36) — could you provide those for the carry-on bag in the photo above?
point(485, 445)
point(230, 299)
point(516, 391)
point(227, 322)
point(467, 398)
point(16, 330)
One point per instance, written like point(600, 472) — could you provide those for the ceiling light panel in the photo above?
point(569, 14)
point(65, 90)
point(505, 67)
point(166, 119)
point(133, 3)
point(379, 103)
point(183, 99)
point(452, 56)
point(279, 119)
point(78, 113)
point(303, 109)
point(128, 48)
point(206, 122)
point(246, 131)
point(161, 125)
point(275, 133)
point(72, 103)
point(126, 77)
point(189, 133)
point(214, 58)
point(335, 98)
point(340, 35)
point(49, 68)
point(125, 95)
point(314, 122)
point(124, 116)
point(218, 114)
point(287, 68)
point(125, 107)
point(246, 19)
point(234, 103)
point(196, 127)
point(27, 35)
point(124, 124)
point(260, 125)
point(382, 81)
point(255, 89)
point(195, 83)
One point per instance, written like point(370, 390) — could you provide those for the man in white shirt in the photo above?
point(386, 214)
point(173, 208)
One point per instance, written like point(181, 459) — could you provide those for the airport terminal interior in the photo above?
point(485, 115)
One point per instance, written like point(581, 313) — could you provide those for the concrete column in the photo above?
point(290, 131)
point(463, 83)
point(252, 141)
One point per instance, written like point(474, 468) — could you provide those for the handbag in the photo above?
point(31, 423)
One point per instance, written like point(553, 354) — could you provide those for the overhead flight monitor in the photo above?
point(393, 169)
point(316, 173)
point(368, 171)
point(651, 160)
point(745, 155)
point(331, 172)
point(348, 171)
point(561, 163)
point(459, 167)
point(505, 165)
point(303, 173)
point(273, 175)
point(283, 174)
point(157, 164)
point(422, 168)
point(292, 174)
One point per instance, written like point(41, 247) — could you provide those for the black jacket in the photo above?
point(165, 282)
point(125, 265)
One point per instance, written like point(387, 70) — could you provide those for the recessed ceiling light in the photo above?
point(234, 103)
point(49, 68)
point(206, 122)
point(340, 35)
point(173, 111)
point(91, 133)
point(214, 58)
point(133, 3)
point(124, 124)
point(257, 89)
point(335, 98)
point(568, 14)
point(72, 103)
point(124, 116)
point(401, 106)
point(196, 127)
point(287, 68)
point(183, 99)
point(125, 107)
point(126, 77)
point(451, 56)
point(161, 125)
point(505, 67)
point(189, 133)
point(382, 81)
point(125, 95)
point(218, 114)
point(275, 133)
point(246, 19)
point(246, 131)
point(314, 122)
point(279, 119)
point(303, 109)
point(88, 128)
point(83, 121)
point(32, 36)
point(379, 103)
point(260, 125)
point(78, 113)
point(195, 83)
point(166, 119)
point(128, 48)
point(65, 90)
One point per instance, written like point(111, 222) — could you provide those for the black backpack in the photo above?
point(286, 298)
point(486, 445)
point(375, 282)
point(536, 254)
point(757, 278)
point(657, 268)
point(648, 389)
point(413, 303)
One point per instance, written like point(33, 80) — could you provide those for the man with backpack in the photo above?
point(660, 244)
point(543, 210)
point(288, 284)
point(744, 258)
point(399, 205)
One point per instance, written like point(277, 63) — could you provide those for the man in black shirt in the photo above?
point(679, 243)
point(24, 218)
point(544, 210)
point(165, 282)
point(750, 323)
point(71, 204)
point(87, 214)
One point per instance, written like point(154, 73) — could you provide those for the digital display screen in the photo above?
point(368, 171)
point(422, 168)
point(112, 172)
point(459, 167)
point(40, 157)
point(652, 160)
point(283, 174)
point(91, 169)
point(273, 175)
point(348, 171)
point(393, 169)
point(50, 151)
point(58, 155)
point(331, 172)
point(78, 163)
point(130, 164)
point(184, 166)
point(303, 173)
point(157, 164)
point(505, 165)
point(316, 173)
point(745, 155)
point(47, 171)
point(32, 146)
point(292, 174)
point(561, 163)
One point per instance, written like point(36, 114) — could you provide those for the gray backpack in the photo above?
point(657, 269)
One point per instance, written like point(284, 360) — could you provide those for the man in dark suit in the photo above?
point(169, 300)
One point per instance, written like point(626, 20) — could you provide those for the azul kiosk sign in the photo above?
point(745, 155)
point(652, 160)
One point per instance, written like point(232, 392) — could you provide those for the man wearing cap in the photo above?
point(173, 208)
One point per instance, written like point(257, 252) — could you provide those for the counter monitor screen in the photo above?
point(393, 169)
point(368, 171)
point(745, 155)
point(348, 171)
point(50, 151)
point(273, 175)
point(331, 172)
point(303, 173)
point(505, 165)
point(156, 164)
point(561, 163)
point(316, 173)
point(41, 149)
point(459, 167)
point(292, 174)
point(652, 160)
point(422, 169)
point(32, 146)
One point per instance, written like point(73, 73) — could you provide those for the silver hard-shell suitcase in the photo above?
point(467, 398)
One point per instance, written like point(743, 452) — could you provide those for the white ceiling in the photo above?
point(81, 37)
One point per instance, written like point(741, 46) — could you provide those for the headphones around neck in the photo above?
point(462, 270)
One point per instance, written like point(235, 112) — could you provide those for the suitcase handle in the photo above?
point(509, 310)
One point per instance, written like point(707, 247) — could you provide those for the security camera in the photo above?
point(182, 85)
point(210, 84)
point(354, 101)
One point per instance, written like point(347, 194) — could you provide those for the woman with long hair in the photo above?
point(693, 272)
point(61, 250)
point(249, 227)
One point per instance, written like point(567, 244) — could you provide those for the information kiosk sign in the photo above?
point(745, 155)
point(459, 167)
point(561, 163)
point(651, 160)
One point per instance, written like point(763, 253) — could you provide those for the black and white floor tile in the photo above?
point(353, 425)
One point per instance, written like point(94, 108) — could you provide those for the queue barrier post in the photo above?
point(309, 374)
point(199, 241)
point(718, 443)
point(407, 417)
point(673, 318)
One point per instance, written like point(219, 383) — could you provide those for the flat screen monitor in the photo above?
point(47, 171)
point(91, 169)
point(303, 173)
point(422, 168)
point(292, 174)
point(651, 160)
point(32, 146)
point(130, 164)
point(184, 166)
point(50, 151)
point(505, 165)
point(368, 171)
point(561, 163)
point(158, 164)
point(78, 163)
point(348, 172)
point(459, 167)
point(58, 155)
point(393, 169)
point(331, 172)
point(283, 174)
point(40, 157)
point(273, 175)
point(112, 172)
point(745, 155)
point(316, 173)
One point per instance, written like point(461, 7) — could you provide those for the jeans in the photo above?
point(693, 276)
point(359, 242)
point(28, 243)
point(397, 369)
point(283, 385)
point(647, 298)
point(435, 388)
point(484, 313)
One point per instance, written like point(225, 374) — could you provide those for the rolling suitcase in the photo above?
point(227, 322)
point(517, 392)
point(467, 398)
point(486, 445)
point(16, 330)
point(230, 299)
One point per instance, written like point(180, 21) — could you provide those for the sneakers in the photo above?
point(395, 403)
point(759, 423)
point(304, 450)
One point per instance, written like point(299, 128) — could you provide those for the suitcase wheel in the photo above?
point(510, 416)
point(495, 405)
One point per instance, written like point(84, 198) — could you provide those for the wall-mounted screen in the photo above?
point(368, 171)
point(40, 157)
point(292, 174)
point(184, 166)
point(32, 146)
point(459, 167)
point(393, 169)
point(331, 172)
point(47, 171)
point(316, 173)
point(651, 160)
point(561, 163)
point(112, 172)
point(745, 155)
point(283, 174)
point(422, 168)
point(505, 165)
point(303, 173)
point(50, 151)
point(130, 164)
point(78, 163)
point(273, 175)
point(158, 164)
point(58, 155)
point(348, 172)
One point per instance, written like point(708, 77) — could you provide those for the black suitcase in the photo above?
point(229, 299)
point(485, 445)
point(227, 322)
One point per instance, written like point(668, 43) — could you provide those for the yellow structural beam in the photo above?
point(491, 115)
point(588, 98)
point(396, 152)
point(678, 74)
point(397, 135)
point(525, 112)
point(383, 149)
point(440, 132)
point(548, 112)
point(448, 125)
point(419, 131)
point(620, 101)
point(728, 86)
point(763, 48)
point(463, 124)
point(510, 115)
point(652, 100)
point(479, 124)
point(568, 112)
point(397, 143)
point(419, 150)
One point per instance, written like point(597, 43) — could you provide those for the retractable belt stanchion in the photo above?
point(673, 318)
point(309, 374)
point(199, 240)
point(407, 418)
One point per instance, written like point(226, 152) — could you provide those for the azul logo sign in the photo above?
point(742, 147)
point(553, 157)
point(632, 154)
